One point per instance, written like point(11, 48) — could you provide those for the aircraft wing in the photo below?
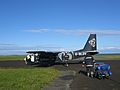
point(44, 53)
point(41, 52)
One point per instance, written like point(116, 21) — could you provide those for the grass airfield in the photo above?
point(11, 57)
point(107, 57)
point(26, 78)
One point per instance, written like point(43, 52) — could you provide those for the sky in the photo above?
point(58, 25)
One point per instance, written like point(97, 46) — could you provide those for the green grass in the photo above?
point(107, 57)
point(12, 57)
point(26, 79)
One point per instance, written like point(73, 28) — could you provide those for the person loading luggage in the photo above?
point(89, 62)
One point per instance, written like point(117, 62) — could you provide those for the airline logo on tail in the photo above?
point(92, 42)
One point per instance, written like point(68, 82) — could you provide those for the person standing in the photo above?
point(89, 62)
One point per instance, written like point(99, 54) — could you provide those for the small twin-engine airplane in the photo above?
point(43, 57)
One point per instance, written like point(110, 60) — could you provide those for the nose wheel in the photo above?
point(27, 61)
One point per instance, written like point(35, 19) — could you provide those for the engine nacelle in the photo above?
point(65, 56)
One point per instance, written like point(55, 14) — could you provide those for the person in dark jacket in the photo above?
point(89, 62)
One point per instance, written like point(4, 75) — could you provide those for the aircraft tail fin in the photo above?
point(91, 43)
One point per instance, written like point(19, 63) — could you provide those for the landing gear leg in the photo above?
point(27, 62)
point(66, 63)
point(92, 74)
point(88, 74)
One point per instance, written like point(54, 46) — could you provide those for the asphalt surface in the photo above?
point(82, 82)
point(73, 77)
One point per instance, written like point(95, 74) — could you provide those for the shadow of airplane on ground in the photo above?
point(48, 64)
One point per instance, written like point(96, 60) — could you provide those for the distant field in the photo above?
point(12, 57)
point(26, 79)
point(107, 57)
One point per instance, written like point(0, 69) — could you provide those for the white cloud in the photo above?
point(12, 49)
point(76, 31)
point(37, 30)
point(109, 50)
point(83, 32)
point(5, 44)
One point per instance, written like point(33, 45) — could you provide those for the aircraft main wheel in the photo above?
point(88, 74)
point(66, 65)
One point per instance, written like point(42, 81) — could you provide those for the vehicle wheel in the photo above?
point(100, 77)
point(107, 77)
